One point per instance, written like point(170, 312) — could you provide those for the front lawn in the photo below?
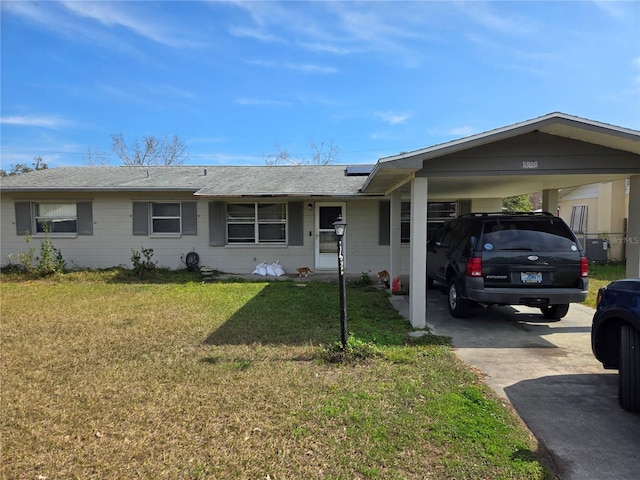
point(107, 377)
point(601, 275)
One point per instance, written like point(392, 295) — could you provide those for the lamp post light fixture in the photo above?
point(340, 226)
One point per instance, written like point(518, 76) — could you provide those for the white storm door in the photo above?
point(326, 245)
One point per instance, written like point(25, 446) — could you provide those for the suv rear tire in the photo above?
point(458, 307)
point(629, 369)
point(555, 312)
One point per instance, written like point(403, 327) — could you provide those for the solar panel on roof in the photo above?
point(358, 170)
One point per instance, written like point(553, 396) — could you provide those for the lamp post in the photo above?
point(340, 226)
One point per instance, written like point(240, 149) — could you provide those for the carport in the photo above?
point(543, 154)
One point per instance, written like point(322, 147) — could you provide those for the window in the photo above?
point(55, 218)
point(165, 218)
point(551, 236)
point(256, 223)
point(437, 212)
point(579, 219)
point(405, 222)
point(168, 219)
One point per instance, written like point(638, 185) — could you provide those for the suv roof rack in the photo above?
point(493, 214)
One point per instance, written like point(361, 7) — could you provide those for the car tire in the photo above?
point(555, 312)
point(629, 369)
point(458, 307)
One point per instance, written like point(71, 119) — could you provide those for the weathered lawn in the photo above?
point(103, 377)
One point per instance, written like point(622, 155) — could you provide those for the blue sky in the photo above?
point(234, 79)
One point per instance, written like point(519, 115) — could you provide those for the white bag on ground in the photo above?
point(277, 269)
point(260, 269)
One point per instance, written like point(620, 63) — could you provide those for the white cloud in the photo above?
point(64, 18)
point(393, 118)
point(141, 22)
point(299, 67)
point(463, 131)
point(341, 28)
point(34, 121)
point(614, 9)
point(254, 33)
point(483, 15)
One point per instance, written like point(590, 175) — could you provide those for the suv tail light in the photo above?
point(474, 267)
point(584, 267)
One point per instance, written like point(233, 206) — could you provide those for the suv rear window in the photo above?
point(548, 235)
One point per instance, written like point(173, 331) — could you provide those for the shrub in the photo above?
point(49, 262)
point(142, 268)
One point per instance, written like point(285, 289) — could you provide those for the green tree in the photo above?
point(517, 203)
point(18, 168)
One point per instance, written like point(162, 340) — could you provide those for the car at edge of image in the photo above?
point(615, 337)
point(485, 259)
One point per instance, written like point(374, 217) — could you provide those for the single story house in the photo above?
point(237, 216)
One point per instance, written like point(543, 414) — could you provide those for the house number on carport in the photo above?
point(530, 164)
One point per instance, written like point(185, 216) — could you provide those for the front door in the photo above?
point(326, 245)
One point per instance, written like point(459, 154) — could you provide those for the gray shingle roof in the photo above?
point(294, 180)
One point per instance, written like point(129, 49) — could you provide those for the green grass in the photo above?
point(600, 275)
point(104, 376)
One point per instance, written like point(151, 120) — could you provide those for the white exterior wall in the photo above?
point(486, 204)
point(363, 253)
point(112, 239)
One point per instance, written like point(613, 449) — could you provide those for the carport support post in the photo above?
point(632, 239)
point(550, 201)
point(418, 254)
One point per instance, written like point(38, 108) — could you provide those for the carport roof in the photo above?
point(395, 171)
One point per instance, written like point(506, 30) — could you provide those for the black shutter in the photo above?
point(140, 218)
point(384, 223)
point(85, 218)
point(296, 224)
point(217, 235)
point(189, 218)
point(23, 218)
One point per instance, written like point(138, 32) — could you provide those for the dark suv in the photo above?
point(615, 337)
point(485, 259)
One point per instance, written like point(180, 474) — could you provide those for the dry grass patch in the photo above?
point(105, 378)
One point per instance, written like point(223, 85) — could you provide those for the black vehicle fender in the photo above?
point(606, 336)
point(451, 272)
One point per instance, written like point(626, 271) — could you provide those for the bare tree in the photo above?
point(281, 157)
point(96, 158)
point(151, 151)
point(320, 155)
point(324, 155)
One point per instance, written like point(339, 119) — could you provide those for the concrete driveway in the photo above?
point(547, 371)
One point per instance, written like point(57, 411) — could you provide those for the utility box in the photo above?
point(597, 249)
